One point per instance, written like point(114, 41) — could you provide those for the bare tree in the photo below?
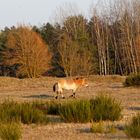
point(68, 54)
point(74, 60)
point(101, 31)
point(117, 27)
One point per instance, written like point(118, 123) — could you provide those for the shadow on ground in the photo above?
point(134, 108)
point(116, 86)
point(41, 96)
point(84, 130)
point(55, 119)
point(119, 134)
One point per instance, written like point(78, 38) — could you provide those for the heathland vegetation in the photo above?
point(107, 43)
point(97, 111)
point(14, 114)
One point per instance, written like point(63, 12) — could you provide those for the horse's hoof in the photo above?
point(74, 96)
point(70, 96)
point(56, 97)
point(63, 97)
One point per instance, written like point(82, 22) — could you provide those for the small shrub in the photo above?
point(25, 112)
point(105, 108)
point(9, 111)
point(10, 131)
point(76, 111)
point(133, 129)
point(97, 127)
point(30, 114)
point(132, 80)
point(111, 129)
point(100, 108)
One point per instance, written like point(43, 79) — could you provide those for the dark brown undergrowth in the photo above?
point(132, 80)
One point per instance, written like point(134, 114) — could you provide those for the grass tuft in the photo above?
point(30, 114)
point(10, 131)
point(133, 128)
point(105, 108)
point(76, 111)
point(25, 112)
point(98, 109)
point(97, 127)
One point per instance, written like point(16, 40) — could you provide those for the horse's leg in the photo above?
point(56, 97)
point(73, 94)
point(62, 94)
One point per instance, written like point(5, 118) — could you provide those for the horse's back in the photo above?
point(74, 83)
point(67, 84)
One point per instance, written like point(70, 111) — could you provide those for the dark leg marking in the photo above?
point(73, 95)
point(56, 97)
point(63, 97)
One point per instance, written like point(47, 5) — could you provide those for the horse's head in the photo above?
point(84, 82)
point(80, 81)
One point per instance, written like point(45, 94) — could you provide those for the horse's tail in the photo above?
point(55, 87)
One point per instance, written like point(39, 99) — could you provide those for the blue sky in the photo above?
point(35, 12)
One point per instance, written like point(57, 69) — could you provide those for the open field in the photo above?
point(41, 89)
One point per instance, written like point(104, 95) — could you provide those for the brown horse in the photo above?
point(69, 84)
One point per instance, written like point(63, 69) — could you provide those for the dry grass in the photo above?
point(40, 89)
point(15, 83)
point(106, 79)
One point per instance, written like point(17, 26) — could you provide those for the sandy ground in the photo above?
point(41, 89)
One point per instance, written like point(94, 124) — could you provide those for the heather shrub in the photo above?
point(76, 111)
point(10, 131)
point(25, 112)
point(105, 108)
point(30, 114)
point(133, 128)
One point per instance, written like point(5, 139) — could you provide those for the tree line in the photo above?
point(107, 43)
